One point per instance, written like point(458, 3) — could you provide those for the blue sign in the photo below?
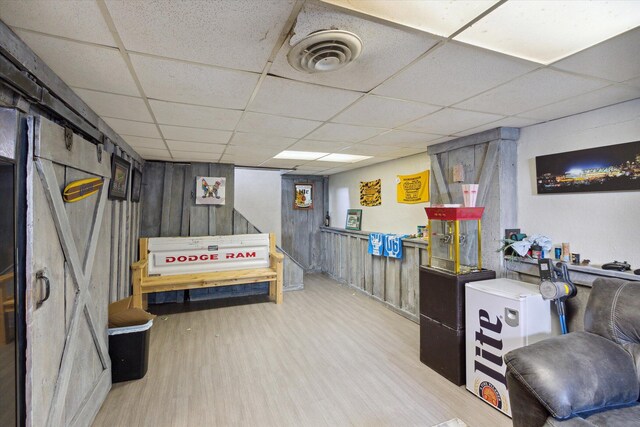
point(393, 245)
point(376, 244)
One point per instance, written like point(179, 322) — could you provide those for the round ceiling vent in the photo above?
point(326, 50)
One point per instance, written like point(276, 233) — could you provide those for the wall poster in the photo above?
point(413, 188)
point(609, 168)
point(210, 190)
point(303, 195)
point(370, 193)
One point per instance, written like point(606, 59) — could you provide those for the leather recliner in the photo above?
point(586, 378)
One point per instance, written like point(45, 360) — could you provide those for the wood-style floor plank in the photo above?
point(327, 356)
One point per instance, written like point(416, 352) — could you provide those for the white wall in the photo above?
point(602, 226)
point(391, 216)
point(258, 195)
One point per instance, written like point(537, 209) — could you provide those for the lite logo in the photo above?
point(487, 362)
point(208, 257)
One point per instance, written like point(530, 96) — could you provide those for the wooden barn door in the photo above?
point(68, 270)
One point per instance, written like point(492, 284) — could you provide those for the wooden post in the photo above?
point(279, 275)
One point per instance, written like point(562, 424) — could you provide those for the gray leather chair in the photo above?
point(587, 378)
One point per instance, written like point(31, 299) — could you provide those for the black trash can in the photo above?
point(129, 352)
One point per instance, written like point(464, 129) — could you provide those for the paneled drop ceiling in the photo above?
point(210, 81)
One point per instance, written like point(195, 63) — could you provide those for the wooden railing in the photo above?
point(393, 282)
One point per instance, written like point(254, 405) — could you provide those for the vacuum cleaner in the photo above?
point(556, 286)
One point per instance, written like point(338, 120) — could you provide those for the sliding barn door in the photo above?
point(68, 270)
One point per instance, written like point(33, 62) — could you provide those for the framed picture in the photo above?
point(609, 168)
point(136, 185)
point(210, 190)
point(303, 195)
point(119, 186)
point(354, 219)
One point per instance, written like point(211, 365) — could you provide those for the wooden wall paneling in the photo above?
point(466, 157)
point(199, 214)
point(344, 258)
point(368, 272)
point(409, 280)
point(188, 194)
point(240, 224)
point(392, 282)
point(439, 186)
point(224, 213)
point(379, 273)
point(214, 171)
point(151, 199)
point(176, 208)
point(354, 262)
point(122, 243)
point(167, 186)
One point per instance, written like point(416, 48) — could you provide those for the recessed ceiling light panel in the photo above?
point(326, 50)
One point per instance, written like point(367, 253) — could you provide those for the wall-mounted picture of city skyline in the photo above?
point(609, 168)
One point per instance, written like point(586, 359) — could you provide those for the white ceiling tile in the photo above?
point(531, 91)
point(386, 48)
point(320, 146)
point(344, 133)
point(401, 138)
point(128, 127)
point(599, 98)
point(383, 112)
point(403, 152)
point(450, 120)
point(633, 82)
point(244, 160)
point(154, 154)
point(235, 150)
point(75, 19)
point(368, 150)
point(276, 125)
point(616, 59)
point(202, 147)
point(189, 83)
point(179, 133)
point(306, 101)
point(436, 17)
point(195, 156)
point(282, 164)
point(452, 73)
point(514, 122)
point(236, 34)
point(170, 113)
point(117, 106)
point(142, 142)
point(259, 140)
point(546, 31)
point(319, 166)
point(334, 171)
point(82, 65)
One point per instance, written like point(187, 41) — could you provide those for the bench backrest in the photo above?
point(184, 255)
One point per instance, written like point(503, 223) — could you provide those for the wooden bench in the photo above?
point(143, 283)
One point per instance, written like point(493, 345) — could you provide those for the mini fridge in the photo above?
point(501, 315)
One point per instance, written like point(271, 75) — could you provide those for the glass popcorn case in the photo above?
point(455, 239)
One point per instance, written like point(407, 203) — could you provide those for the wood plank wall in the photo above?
point(301, 228)
point(125, 231)
point(393, 282)
point(489, 159)
point(168, 201)
point(169, 210)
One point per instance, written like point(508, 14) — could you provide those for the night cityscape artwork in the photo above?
point(610, 168)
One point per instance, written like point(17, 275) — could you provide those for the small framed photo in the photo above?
point(354, 219)
point(136, 185)
point(303, 195)
point(119, 186)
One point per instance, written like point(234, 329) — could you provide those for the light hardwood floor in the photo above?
point(327, 356)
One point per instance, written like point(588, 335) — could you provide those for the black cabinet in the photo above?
point(442, 320)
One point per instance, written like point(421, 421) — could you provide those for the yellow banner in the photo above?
point(370, 193)
point(413, 188)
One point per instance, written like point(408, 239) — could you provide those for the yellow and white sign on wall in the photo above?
point(371, 193)
point(413, 188)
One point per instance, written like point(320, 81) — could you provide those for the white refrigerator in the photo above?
point(501, 315)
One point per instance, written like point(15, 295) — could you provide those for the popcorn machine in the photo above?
point(455, 239)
